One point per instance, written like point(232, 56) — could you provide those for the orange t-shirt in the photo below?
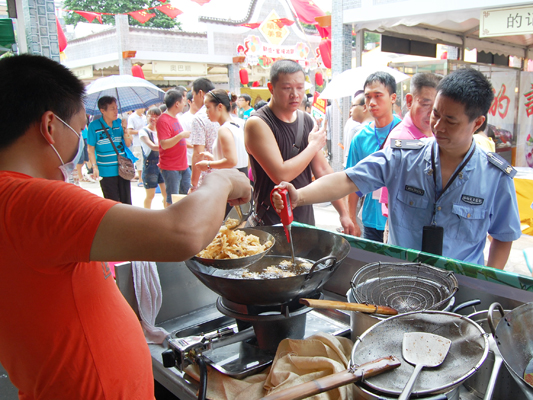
point(66, 332)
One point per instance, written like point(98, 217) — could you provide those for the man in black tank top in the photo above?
point(270, 135)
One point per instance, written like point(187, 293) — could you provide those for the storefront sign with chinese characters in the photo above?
point(272, 31)
point(506, 21)
point(264, 54)
point(178, 68)
point(83, 72)
point(501, 114)
point(524, 141)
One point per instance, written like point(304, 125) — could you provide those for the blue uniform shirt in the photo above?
point(481, 199)
point(106, 157)
point(367, 141)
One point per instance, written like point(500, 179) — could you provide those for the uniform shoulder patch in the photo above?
point(501, 164)
point(407, 144)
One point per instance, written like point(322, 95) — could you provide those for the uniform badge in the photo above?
point(474, 201)
point(415, 190)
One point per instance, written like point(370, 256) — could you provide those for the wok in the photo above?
point(514, 338)
point(310, 244)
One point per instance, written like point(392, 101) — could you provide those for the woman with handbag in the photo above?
point(106, 140)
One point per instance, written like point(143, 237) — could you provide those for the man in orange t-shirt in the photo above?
point(66, 331)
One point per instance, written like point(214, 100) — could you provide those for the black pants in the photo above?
point(116, 188)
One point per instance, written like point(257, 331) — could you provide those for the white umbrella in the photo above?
point(131, 93)
point(352, 80)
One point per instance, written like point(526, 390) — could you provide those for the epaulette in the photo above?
point(501, 164)
point(406, 144)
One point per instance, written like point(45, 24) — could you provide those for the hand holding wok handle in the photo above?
point(339, 305)
point(336, 380)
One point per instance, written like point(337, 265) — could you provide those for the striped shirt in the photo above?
point(106, 157)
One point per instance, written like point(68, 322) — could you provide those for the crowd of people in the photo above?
point(445, 194)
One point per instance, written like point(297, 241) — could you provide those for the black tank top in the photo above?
point(285, 135)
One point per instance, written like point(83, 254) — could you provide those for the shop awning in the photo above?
point(453, 28)
point(7, 36)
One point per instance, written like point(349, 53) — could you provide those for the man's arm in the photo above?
point(321, 168)
point(168, 143)
point(261, 144)
point(196, 158)
point(353, 199)
point(175, 233)
point(92, 159)
point(499, 253)
point(328, 188)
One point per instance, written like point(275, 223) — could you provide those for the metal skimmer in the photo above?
point(405, 286)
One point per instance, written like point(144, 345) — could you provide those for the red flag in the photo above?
point(163, 1)
point(142, 16)
point(137, 71)
point(324, 32)
point(90, 16)
point(201, 2)
point(307, 10)
point(61, 37)
point(252, 25)
point(281, 22)
point(167, 9)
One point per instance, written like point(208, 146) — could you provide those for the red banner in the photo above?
point(281, 22)
point(252, 25)
point(142, 16)
point(307, 10)
point(167, 9)
point(61, 37)
point(90, 16)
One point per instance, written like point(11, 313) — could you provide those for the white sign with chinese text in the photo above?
point(524, 141)
point(178, 68)
point(271, 31)
point(83, 72)
point(506, 21)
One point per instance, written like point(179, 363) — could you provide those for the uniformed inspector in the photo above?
point(445, 193)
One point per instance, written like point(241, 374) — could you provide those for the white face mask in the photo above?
point(68, 168)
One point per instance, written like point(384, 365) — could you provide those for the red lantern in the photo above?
point(243, 74)
point(319, 79)
point(255, 84)
point(137, 71)
point(325, 52)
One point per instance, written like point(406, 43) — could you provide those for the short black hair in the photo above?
point(189, 95)
point(424, 79)
point(284, 67)
point(246, 98)
point(203, 84)
point(260, 104)
point(470, 88)
point(30, 86)
point(172, 97)
point(104, 101)
point(383, 77)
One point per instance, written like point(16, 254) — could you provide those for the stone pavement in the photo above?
point(326, 217)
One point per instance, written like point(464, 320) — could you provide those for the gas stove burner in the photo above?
point(271, 324)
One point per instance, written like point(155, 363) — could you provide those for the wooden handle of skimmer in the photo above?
point(336, 380)
point(340, 305)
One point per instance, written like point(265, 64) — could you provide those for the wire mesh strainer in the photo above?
point(405, 287)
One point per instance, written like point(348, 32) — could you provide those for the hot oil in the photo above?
point(272, 270)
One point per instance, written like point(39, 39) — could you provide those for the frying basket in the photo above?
point(405, 287)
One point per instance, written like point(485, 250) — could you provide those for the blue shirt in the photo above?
point(106, 157)
point(366, 142)
point(481, 199)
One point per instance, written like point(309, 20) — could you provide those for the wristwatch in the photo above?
point(209, 165)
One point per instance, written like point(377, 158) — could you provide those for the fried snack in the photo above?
point(232, 223)
point(233, 244)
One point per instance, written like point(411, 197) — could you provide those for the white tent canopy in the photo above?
point(453, 22)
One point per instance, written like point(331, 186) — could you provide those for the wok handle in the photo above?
point(489, 316)
point(326, 383)
point(340, 305)
point(323, 261)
